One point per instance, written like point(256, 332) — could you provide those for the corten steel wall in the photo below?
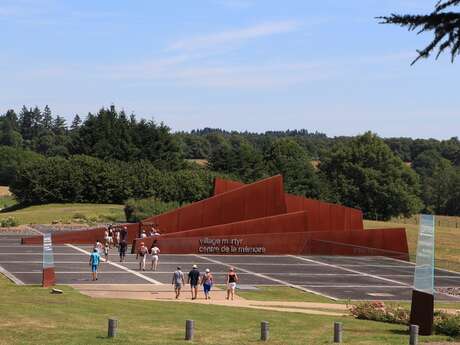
point(326, 216)
point(87, 236)
point(222, 186)
point(323, 216)
point(292, 244)
point(260, 199)
point(289, 222)
point(379, 242)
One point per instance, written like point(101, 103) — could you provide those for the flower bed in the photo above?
point(444, 323)
point(378, 311)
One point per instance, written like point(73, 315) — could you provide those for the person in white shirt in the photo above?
point(117, 236)
point(106, 236)
point(99, 247)
point(155, 259)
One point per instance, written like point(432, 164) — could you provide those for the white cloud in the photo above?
point(191, 71)
point(235, 36)
point(185, 71)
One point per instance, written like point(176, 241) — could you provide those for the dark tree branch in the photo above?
point(445, 27)
point(441, 5)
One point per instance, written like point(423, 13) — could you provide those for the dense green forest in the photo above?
point(110, 156)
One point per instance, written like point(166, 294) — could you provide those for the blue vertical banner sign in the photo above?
point(424, 269)
point(48, 260)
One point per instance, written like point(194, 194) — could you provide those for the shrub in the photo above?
point(447, 324)
point(444, 323)
point(136, 210)
point(378, 311)
point(8, 222)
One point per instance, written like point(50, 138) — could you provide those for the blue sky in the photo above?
point(235, 64)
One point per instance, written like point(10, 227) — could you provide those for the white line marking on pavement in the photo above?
point(350, 270)
point(11, 277)
point(282, 282)
point(153, 281)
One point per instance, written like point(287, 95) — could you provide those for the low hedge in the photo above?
point(444, 323)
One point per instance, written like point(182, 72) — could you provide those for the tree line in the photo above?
point(111, 157)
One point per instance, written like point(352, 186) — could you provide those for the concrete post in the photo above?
point(189, 329)
point(264, 331)
point(113, 326)
point(337, 332)
point(413, 340)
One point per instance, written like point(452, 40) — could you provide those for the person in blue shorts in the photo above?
point(94, 260)
point(207, 281)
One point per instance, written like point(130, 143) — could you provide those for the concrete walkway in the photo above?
point(165, 293)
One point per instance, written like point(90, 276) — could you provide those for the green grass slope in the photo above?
point(31, 315)
point(67, 213)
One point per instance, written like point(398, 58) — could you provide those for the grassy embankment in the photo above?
point(67, 213)
point(60, 213)
point(447, 251)
point(6, 199)
point(31, 315)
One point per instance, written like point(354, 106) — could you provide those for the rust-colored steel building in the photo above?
point(254, 219)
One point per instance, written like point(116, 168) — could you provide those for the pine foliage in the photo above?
point(444, 24)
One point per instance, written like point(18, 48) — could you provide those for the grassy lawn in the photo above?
point(31, 315)
point(67, 213)
point(6, 201)
point(447, 250)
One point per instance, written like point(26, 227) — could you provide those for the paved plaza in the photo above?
point(355, 278)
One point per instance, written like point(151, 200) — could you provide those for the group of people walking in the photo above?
point(144, 252)
point(114, 236)
point(195, 278)
point(117, 236)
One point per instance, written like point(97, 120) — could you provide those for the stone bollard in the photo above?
point(113, 326)
point(189, 329)
point(264, 331)
point(413, 340)
point(337, 332)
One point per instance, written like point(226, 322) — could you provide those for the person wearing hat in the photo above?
point(142, 253)
point(193, 279)
point(178, 281)
point(207, 281)
point(232, 279)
